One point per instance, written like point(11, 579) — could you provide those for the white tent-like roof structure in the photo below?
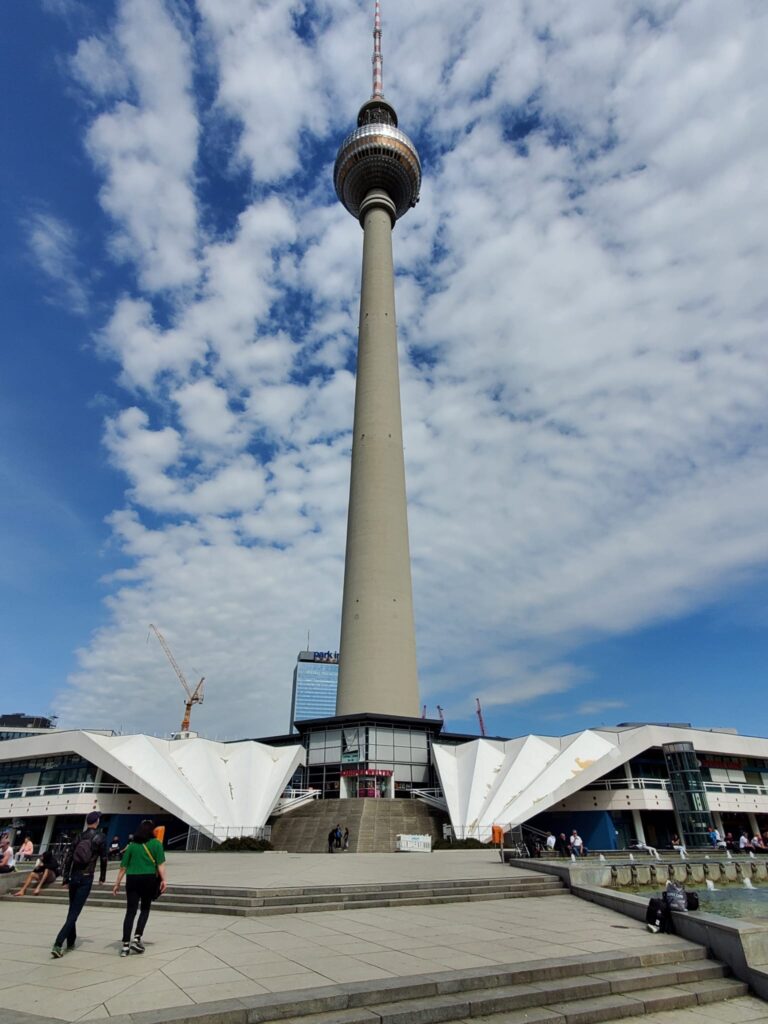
point(205, 783)
point(508, 782)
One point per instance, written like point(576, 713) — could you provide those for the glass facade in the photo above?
point(315, 680)
point(400, 749)
point(46, 771)
point(689, 795)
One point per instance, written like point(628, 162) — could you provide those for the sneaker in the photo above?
point(57, 952)
point(653, 928)
point(137, 945)
point(125, 950)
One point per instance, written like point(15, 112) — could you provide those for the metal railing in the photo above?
point(745, 789)
point(433, 797)
point(64, 789)
point(480, 832)
point(635, 783)
point(739, 788)
point(294, 798)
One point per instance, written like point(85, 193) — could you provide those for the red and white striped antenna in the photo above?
point(378, 61)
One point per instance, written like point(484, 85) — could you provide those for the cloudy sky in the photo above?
point(582, 305)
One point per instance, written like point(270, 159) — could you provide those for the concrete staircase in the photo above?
point(573, 990)
point(373, 824)
point(195, 899)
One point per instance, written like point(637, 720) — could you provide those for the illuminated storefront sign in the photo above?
point(353, 773)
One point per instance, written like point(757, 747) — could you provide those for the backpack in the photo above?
point(692, 900)
point(82, 851)
point(674, 897)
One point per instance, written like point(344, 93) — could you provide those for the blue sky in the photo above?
point(581, 304)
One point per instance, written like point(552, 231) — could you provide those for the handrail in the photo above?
point(745, 789)
point(634, 783)
point(63, 789)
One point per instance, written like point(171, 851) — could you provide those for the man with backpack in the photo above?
point(77, 873)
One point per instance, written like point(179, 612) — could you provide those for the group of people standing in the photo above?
point(142, 866)
point(338, 839)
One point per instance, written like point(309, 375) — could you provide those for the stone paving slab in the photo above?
point(297, 870)
point(198, 960)
point(746, 1008)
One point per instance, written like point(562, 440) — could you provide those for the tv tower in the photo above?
point(377, 177)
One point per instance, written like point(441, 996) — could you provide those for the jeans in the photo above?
point(79, 891)
point(139, 889)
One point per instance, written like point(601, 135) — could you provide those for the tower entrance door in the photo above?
point(367, 782)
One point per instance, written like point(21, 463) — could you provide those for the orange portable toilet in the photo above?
point(497, 834)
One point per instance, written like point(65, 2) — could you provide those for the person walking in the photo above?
point(332, 839)
point(143, 866)
point(345, 840)
point(77, 873)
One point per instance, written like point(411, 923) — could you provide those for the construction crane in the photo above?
point(479, 714)
point(193, 696)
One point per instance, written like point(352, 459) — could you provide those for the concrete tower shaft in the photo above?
point(377, 651)
point(377, 178)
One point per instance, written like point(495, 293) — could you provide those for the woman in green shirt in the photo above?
point(143, 861)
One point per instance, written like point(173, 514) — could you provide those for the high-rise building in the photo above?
point(315, 679)
point(377, 177)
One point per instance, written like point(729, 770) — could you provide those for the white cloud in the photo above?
point(268, 81)
point(582, 281)
point(146, 149)
point(53, 247)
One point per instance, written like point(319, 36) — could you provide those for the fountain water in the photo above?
point(602, 859)
point(728, 855)
point(711, 885)
point(573, 857)
point(748, 883)
point(632, 858)
point(751, 855)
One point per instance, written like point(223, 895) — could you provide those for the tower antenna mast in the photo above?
point(378, 60)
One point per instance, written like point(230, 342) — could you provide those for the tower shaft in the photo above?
point(377, 657)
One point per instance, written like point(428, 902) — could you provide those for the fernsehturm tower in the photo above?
point(377, 177)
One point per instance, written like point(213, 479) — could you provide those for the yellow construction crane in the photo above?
point(193, 696)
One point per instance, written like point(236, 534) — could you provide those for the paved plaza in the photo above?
point(197, 958)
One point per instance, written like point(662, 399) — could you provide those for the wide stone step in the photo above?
point(234, 895)
point(207, 905)
point(596, 987)
point(378, 887)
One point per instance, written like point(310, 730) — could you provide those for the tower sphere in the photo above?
point(377, 155)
